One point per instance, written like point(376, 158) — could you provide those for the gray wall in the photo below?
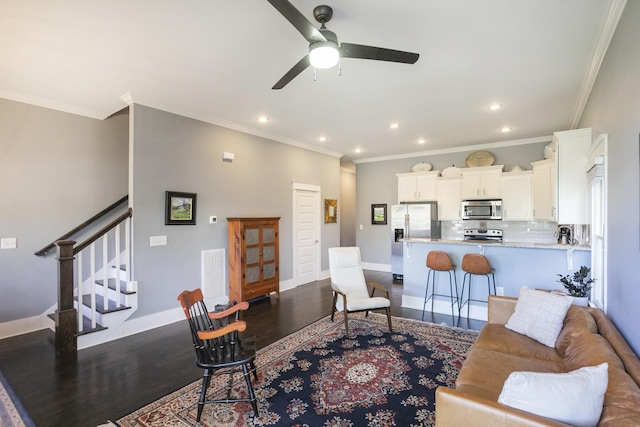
point(376, 182)
point(175, 153)
point(347, 208)
point(614, 108)
point(56, 171)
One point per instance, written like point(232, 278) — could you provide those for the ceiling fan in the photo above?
point(324, 50)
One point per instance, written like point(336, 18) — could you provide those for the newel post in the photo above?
point(66, 315)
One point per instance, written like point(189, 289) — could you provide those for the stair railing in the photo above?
point(69, 323)
point(82, 226)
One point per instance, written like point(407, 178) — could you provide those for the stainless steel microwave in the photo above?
point(482, 209)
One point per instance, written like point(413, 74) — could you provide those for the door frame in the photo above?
point(307, 187)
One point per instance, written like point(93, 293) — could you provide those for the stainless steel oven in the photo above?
point(482, 209)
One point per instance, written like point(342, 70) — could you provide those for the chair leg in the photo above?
point(389, 318)
point(451, 293)
point(344, 311)
point(255, 371)
point(333, 309)
point(203, 394)
point(426, 294)
point(252, 395)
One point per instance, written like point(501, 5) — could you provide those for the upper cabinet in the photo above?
point(571, 165)
point(417, 186)
point(449, 198)
point(544, 190)
point(516, 196)
point(481, 182)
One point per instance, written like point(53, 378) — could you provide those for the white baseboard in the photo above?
point(376, 267)
point(22, 326)
point(443, 306)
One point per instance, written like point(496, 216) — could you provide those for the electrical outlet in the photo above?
point(213, 219)
point(8, 243)
point(500, 291)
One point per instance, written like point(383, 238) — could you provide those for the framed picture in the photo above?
point(180, 208)
point(330, 211)
point(379, 214)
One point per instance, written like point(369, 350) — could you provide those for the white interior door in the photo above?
point(306, 219)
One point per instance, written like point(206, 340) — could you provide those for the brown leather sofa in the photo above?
point(587, 338)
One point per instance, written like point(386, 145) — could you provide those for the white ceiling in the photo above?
point(216, 60)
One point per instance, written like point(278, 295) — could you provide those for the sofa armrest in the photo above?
point(500, 309)
point(456, 408)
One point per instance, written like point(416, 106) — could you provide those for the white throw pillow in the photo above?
point(573, 398)
point(539, 315)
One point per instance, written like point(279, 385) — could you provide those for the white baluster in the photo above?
point(92, 281)
point(105, 271)
point(80, 291)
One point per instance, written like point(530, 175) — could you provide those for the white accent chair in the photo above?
point(347, 280)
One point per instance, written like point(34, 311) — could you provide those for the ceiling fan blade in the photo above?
point(292, 73)
point(349, 50)
point(297, 19)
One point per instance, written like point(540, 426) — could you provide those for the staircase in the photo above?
point(96, 294)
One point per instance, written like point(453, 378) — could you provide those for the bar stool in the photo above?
point(478, 265)
point(440, 261)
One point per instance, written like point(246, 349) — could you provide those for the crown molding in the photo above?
point(130, 99)
point(53, 105)
point(500, 144)
point(608, 29)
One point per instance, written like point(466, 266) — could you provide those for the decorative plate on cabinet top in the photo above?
point(451, 171)
point(421, 167)
point(480, 158)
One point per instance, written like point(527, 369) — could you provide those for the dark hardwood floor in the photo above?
point(111, 380)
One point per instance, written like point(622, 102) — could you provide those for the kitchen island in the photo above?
point(516, 264)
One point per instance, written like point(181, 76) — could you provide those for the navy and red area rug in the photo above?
point(318, 377)
point(12, 413)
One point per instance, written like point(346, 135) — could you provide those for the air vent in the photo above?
point(214, 286)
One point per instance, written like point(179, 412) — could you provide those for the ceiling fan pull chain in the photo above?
point(315, 76)
point(339, 67)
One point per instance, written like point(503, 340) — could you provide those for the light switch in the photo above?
point(361, 227)
point(157, 240)
point(8, 243)
point(213, 219)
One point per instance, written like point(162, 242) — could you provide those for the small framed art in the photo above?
point(379, 214)
point(330, 211)
point(180, 208)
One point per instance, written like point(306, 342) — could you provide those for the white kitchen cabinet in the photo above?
point(481, 182)
point(516, 196)
point(449, 198)
point(417, 186)
point(571, 165)
point(544, 190)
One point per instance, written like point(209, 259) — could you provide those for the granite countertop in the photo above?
point(529, 245)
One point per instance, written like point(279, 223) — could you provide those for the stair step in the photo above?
point(86, 325)
point(111, 283)
point(111, 306)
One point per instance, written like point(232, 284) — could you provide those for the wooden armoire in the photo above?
point(253, 258)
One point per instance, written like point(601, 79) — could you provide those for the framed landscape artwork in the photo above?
point(379, 214)
point(180, 208)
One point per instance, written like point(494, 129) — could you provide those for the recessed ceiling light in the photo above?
point(394, 126)
point(358, 150)
point(494, 107)
point(322, 138)
point(263, 119)
point(505, 129)
point(421, 141)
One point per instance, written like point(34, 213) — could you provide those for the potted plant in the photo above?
point(578, 285)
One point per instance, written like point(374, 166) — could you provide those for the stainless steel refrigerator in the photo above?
point(411, 220)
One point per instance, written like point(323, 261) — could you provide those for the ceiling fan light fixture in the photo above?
point(324, 55)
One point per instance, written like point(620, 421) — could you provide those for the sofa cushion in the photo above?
point(574, 397)
point(577, 321)
point(498, 338)
point(539, 315)
point(590, 349)
point(487, 370)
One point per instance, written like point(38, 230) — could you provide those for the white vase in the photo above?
point(581, 301)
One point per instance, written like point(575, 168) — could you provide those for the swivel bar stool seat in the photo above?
point(476, 265)
point(439, 261)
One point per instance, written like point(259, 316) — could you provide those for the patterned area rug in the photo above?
point(318, 377)
point(12, 413)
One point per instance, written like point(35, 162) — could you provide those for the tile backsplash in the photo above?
point(514, 231)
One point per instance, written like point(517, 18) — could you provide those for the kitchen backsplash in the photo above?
point(514, 231)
